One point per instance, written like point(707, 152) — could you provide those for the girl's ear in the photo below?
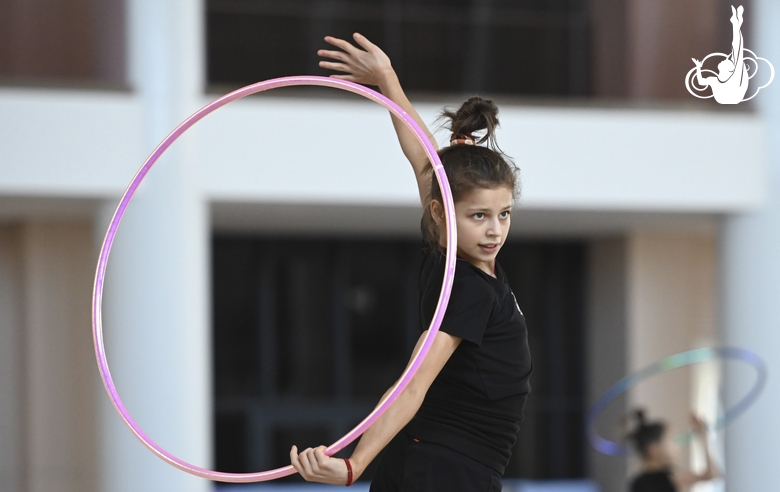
point(437, 211)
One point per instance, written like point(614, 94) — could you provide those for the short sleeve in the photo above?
point(469, 309)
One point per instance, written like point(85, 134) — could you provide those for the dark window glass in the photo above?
point(55, 42)
point(309, 333)
point(548, 279)
point(500, 46)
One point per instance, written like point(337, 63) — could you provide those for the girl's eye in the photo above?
point(504, 214)
point(479, 216)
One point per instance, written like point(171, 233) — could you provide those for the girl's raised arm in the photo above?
point(711, 471)
point(371, 66)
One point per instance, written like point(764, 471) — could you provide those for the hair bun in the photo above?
point(645, 433)
point(474, 115)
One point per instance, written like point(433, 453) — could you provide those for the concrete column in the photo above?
point(12, 452)
point(751, 287)
point(672, 293)
point(607, 349)
point(156, 313)
point(48, 431)
point(60, 450)
point(651, 294)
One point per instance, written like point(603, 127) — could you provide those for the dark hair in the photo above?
point(469, 167)
point(645, 433)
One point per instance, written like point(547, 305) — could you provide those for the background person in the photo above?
point(657, 472)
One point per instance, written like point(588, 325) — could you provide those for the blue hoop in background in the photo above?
point(612, 448)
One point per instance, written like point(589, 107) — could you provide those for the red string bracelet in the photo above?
point(349, 472)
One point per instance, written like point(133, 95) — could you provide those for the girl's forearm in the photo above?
point(390, 86)
point(385, 428)
point(409, 401)
point(711, 470)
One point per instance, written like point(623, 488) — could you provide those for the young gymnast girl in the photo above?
point(657, 473)
point(454, 425)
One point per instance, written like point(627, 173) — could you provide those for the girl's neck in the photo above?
point(487, 267)
point(652, 464)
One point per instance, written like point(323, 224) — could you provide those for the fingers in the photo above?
point(313, 465)
point(302, 462)
point(340, 43)
point(308, 463)
point(339, 67)
point(336, 55)
point(364, 67)
point(316, 466)
point(363, 42)
point(319, 456)
point(294, 461)
point(698, 423)
point(351, 78)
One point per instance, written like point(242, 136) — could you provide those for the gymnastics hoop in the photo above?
point(612, 448)
point(108, 241)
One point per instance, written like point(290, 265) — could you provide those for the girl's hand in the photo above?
point(315, 466)
point(368, 66)
point(699, 424)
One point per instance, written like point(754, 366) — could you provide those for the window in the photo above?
point(499, 46)
point(56, 42)
point(308, 334)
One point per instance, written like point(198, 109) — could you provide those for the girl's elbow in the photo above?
point(415, 394)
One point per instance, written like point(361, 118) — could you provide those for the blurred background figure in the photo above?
point(657, 450)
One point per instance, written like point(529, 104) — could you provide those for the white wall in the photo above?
point(343, 150)
point(68, 143)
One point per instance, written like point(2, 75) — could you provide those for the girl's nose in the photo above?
point(495, 228)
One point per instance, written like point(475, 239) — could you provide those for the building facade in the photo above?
point(678, 205)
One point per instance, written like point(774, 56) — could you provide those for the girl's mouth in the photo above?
point(489, 248)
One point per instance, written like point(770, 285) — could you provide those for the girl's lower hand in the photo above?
point(699, 424)
point(315, 466)
point(369, 65)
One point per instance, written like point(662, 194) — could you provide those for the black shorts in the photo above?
point(408, 465)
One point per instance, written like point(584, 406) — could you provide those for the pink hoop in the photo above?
point(97, 295)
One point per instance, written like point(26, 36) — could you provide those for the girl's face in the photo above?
point(483, 218)
point(664, 451)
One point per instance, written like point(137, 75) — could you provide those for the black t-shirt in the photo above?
point(657, 481)
point(475, 404)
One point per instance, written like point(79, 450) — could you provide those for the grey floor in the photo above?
point(510, 485)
